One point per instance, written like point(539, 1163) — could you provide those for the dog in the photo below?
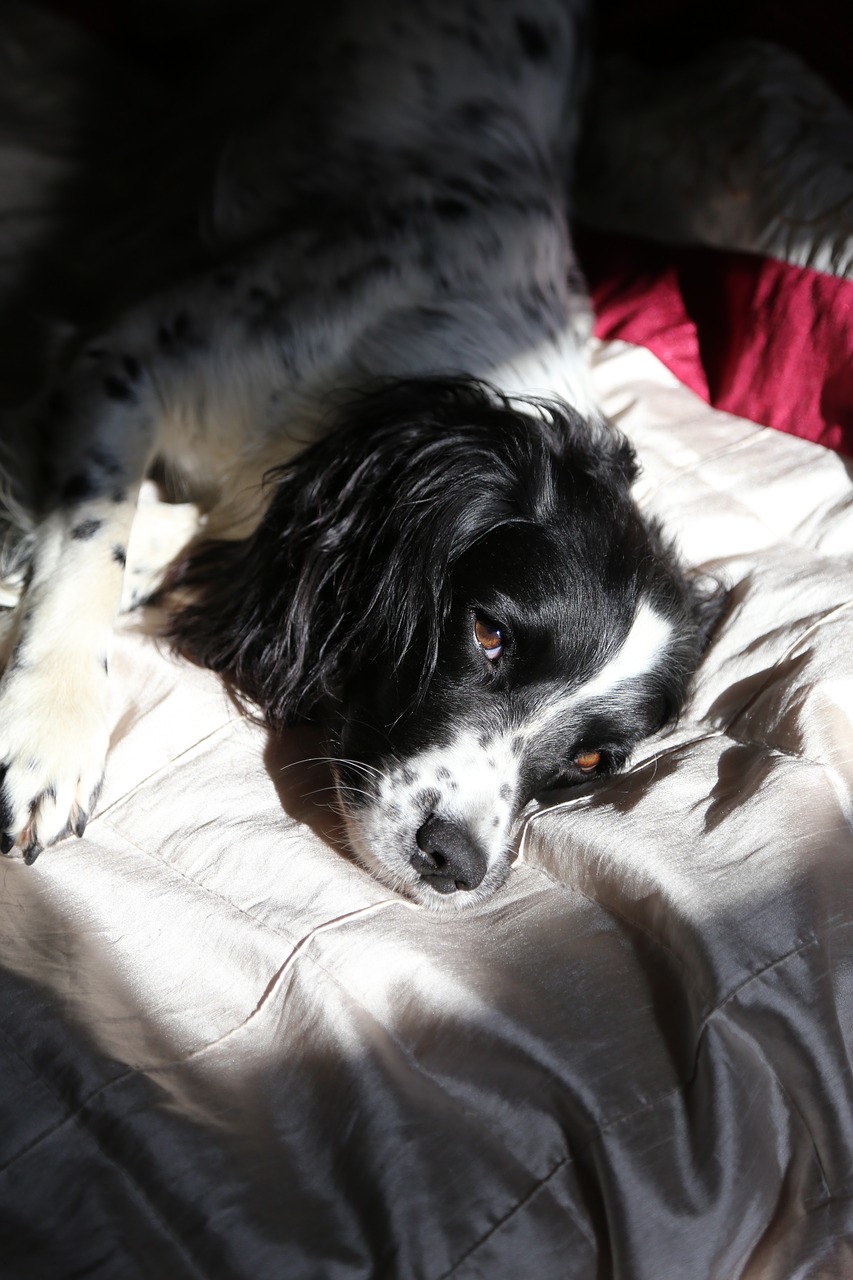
point(419, 528)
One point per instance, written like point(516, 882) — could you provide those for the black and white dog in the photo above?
point(419, 529)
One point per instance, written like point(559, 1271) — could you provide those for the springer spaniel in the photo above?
point(419, 529)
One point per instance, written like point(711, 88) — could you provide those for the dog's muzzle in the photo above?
point(448, 858)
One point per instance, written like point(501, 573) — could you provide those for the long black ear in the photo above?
point(709, 601)
point(351, 561)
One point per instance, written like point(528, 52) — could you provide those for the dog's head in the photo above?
point(461, 589)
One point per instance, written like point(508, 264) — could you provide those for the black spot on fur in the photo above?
point(505, 791)
point(78, 487)
point(119, 496)
point(116, 388)
point(176, 334)
point(453, 210)
point(119, 555)
point(533, 40)
point(85, 530)
point(132, 367)
point(104, 460)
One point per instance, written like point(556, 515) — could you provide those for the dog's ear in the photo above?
point(220, 597)
point(614, 459)
point(352, 560)
point(709, 601)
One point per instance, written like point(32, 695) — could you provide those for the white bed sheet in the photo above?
point(228, 1051)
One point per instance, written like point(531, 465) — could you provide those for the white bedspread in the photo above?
point(227, 1051)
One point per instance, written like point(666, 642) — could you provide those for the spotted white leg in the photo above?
point(54, 725)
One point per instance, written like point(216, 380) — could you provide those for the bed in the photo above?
point(227, 1052)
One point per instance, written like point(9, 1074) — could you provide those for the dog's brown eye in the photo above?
point(588, 761)
point(489, 638)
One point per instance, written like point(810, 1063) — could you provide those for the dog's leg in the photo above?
point(209, 362)
point(53, 696)
point(236, 364)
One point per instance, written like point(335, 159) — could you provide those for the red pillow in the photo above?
point(759, 338)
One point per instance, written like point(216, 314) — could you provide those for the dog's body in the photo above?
point(455, 582)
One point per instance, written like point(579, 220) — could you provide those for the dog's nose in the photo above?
point(448, 858)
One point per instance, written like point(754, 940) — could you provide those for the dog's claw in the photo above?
point(32, 852)
point(7, 843)
point(80, 825)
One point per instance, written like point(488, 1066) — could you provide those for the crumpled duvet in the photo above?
point(226, 1051)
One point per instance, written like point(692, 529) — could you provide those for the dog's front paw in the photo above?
point(53, 742)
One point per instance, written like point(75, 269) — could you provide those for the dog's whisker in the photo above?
point(340, 791)
point(335, 761)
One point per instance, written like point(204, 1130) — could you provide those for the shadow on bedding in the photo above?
point(523, 1089)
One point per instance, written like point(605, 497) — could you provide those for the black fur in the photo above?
point(432, 504)
point(353, 562)
point(85, 529)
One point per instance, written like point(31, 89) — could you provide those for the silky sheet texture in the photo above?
point(226, 1051)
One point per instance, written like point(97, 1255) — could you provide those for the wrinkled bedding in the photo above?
point(227, 1052)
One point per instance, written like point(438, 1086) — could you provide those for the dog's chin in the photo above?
point(389, 865)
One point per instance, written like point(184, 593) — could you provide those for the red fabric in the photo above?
point(758, 338)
